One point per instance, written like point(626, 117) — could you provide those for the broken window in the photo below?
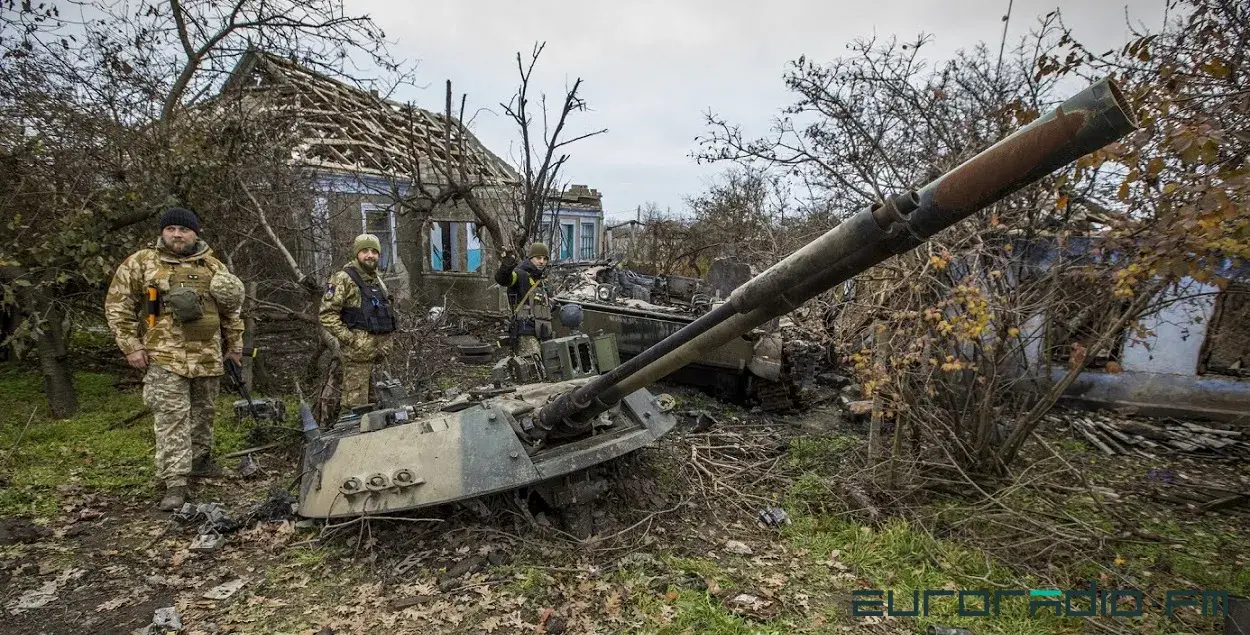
point(474, 251)
point(442, 246)
point(379, 220)
point(1226, 349)
point(1080, 314)
point(455, 246)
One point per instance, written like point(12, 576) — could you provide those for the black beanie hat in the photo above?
point(180, 216)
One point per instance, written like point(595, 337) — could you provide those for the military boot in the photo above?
point(204, 467)
point(175, 496)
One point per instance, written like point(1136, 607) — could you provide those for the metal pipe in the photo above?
point(1086, 122)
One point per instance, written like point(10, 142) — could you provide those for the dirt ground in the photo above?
point(679, 547)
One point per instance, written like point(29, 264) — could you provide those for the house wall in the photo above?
point(1161, 374)
point(420, 269)
point(587, 225)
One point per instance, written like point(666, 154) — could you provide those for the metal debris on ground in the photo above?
point(214, 521)
point(207, 543)
point(410, 561)
point(774, 517)
point(212, 517)
point(225, 590)
point(248, 466)
point(164, 620)
point(946, 630)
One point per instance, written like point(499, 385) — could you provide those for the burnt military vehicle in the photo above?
point(642, 310)
point(577, 407)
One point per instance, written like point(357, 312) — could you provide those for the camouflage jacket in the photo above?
point(341, 292)
point(166, 341)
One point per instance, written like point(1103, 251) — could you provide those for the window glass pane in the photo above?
point(588, 241)
point(566, 242)
point(475, 248)
point(378, 223)
point(436, 247)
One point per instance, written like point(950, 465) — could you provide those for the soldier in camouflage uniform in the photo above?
point(172, 309)
point(356, 310)
point(527, 296)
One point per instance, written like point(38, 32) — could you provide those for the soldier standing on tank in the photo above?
point(356, 310)
point(527, 297)
point(172, 308)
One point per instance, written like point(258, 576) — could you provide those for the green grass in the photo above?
point(82, 451)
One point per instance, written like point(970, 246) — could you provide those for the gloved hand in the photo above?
point(507, 258)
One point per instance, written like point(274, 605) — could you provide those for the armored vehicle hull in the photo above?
point(742, 368)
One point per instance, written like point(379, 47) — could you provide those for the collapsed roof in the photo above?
point(343, 128)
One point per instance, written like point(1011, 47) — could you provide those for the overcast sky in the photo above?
point(650, 69)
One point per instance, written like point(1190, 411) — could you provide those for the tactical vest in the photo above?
point(195, 275)
point(374, 314)
point(533, 309)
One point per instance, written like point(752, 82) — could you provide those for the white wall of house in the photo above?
point(1178, 331)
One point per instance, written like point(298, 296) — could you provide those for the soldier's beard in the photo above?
point(369, 265)
point(182, 248)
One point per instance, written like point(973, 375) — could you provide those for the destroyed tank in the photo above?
point(575, 407)
point(642, 310)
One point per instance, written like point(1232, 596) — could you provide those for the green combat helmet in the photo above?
point(227, 289)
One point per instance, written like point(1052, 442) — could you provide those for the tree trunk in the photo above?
point(58, 381)
point(8, 325)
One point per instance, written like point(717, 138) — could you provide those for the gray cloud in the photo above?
point(651, 69)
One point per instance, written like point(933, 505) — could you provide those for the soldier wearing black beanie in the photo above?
point(180, 216)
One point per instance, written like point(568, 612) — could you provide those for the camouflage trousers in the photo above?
point(356, 381)
point(183, 409)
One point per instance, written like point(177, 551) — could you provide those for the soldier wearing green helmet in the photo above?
point(357, 311)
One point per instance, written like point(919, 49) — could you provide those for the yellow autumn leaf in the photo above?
point(1216, 68)
point(1154, 167)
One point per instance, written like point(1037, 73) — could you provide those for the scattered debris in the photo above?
point(448, 580)
point(213, 515)
point(946, 630)
point(248, 466)
point(738, 547)
point(207, 543)
point(225, 590)
point(774, 517)
point(165, 620)
point(1119, 436)
point(751, 605)
point(45, 594)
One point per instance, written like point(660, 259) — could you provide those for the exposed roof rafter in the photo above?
point(344, 128)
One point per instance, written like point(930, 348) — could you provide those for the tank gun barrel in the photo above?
point(1086, 122)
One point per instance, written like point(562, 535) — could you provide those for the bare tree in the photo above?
point(958, 314)
point(437, 174)
point(106, 127)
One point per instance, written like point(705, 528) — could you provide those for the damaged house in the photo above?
point(366, 155)
point(1190, 358)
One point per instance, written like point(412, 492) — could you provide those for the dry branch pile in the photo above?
point(1119, 436)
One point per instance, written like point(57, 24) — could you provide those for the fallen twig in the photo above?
point(131, 419)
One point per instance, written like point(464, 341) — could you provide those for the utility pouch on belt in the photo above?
point(185, 304)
